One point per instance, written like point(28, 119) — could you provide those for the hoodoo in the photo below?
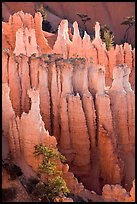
point(60, 97)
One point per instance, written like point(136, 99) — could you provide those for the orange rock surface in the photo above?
point(48, 94)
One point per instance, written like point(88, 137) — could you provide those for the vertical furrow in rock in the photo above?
point(7, 110)
point(111, 61)
point(65, 140)
point(89, 111)
point(4, 67)
point(102, 57)
point(118, 96)
point(33, 67)
point(14, 84)
point(113, 172)
point(14, 138)
point(54, 101)
point(128, 55)
point(78, 131)
point(133, 54)
point(106, 136)
point(66, 71)
point(25, 84)
point(11, 139)
point(44, 95)
point(59, 87)
point(132, 75)
point(94, 56)
point(119, 54)
point(131, 118)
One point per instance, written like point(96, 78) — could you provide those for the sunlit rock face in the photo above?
point(23, 35)
point(65, 94)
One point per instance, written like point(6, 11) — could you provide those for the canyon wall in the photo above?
point(64, 92)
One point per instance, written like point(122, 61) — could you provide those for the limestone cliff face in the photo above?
point(68, 98)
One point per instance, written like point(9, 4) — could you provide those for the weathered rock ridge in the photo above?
point(65, 94)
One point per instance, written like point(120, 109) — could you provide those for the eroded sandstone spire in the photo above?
point(68, 99)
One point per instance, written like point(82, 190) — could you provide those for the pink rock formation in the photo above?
point(132, 75)
point(35, 43)
point(119, 54)
point(34, 127)
point(26, 42)
point(90, 115)
point(89, 50)
point(80, 147)
point(5, 65)
point(111, 61)
point(76, 45)
point(115, 193)
point(15, 88)
point(7, 110)
point(111, 173)
point(55, 93)
point(65, 140)
point(24, 34)
point(41, 41)
point(128, 55)
point(122, 116)
point(69, 99)
point(44, 96)
point(63, 42)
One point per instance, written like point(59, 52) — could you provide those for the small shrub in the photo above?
point(48, 153)
point(108, 39)
point(49, 167)
point(55, 186)
point(107, 36)
point(50, 190)
point(43, 12)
